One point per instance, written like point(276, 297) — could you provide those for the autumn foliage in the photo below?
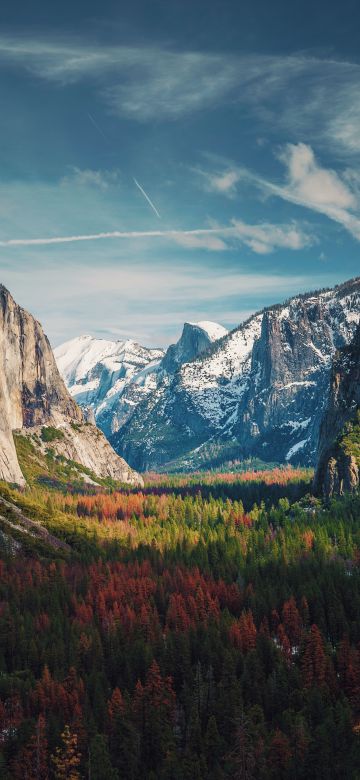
point(185, 635)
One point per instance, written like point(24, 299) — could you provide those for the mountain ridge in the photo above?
point(244, 387)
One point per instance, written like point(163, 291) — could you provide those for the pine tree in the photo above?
point(32, 763)
point(100, 766)
point(242, 757)
point(212, 744)
point(279, 754)
point(314, 658)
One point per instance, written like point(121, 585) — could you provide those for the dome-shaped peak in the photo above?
point(214, 330)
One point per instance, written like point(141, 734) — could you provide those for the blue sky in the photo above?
point(163, 162)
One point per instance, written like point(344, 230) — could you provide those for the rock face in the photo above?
point(33, 395)
point(339, 444)
point(196, 338)
point(261, 389)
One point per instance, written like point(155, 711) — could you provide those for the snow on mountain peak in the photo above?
point(213, 329)
point(257, 390)
point(97, 372)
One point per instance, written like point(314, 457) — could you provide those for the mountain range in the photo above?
point(258, 391)
point(111, 378)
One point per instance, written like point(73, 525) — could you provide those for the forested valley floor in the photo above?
point(205, 627)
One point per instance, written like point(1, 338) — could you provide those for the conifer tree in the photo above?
point(100, 766)
point(242, 756)
point(32, 763)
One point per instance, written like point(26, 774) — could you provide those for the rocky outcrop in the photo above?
point(195, 340)
point(339, 443)
point(33, 395)
point(262, 388)
point(339, 475)
point(85, 444)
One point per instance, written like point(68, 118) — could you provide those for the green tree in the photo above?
point(100, 766)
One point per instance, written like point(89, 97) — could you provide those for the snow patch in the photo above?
point(295, 448)
point(213, 329)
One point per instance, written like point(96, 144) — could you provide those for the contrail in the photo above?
point(176, 234)
point(147, 198)
point(92, 120)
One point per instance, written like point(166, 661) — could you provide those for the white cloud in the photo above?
point(90, 178)
point(193, 241)
point(265, 238)
point(222, 182)
point(319, 187)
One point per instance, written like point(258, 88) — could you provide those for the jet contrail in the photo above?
point(147, 198)
point(175, 234)
point(92, 120)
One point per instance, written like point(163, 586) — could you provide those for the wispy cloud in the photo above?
point(308, 184)
point(262, 239)
point(154, 304)
point(87, 177)
point(210, 241)
point(223, 182)
point(265, 238)
point(318, 96)
point(142, 82)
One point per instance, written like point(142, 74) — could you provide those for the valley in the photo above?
point(180, 390)
point(172, 631)
point(180, 624)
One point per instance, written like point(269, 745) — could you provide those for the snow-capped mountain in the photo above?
point(112, 377)
point(261, 388)
point(98, 372)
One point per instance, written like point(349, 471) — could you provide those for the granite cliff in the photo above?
point(33, 397)
point(339, 444)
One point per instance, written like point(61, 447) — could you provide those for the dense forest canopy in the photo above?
point(199, 628)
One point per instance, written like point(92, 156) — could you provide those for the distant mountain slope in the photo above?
point(35, 401)
point(113, 377)
point(261, 388)
point(339, 445)
point(97, 373)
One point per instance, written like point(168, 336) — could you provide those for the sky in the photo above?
point(167, 162)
